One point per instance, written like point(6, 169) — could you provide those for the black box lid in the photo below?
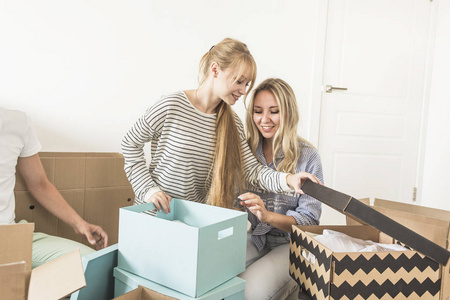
point(356, 209)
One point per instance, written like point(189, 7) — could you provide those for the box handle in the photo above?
point(151, 210)
point(225, 233)
point(308, 256)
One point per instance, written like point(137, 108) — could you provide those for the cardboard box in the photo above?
point(125, 282)
point(14, 281)
point(192, 258)
point(430, 222)
point(52, 280)
point(143, 293)
point(94, 184)
point(414, 274)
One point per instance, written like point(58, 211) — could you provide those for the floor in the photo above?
point(303, 296)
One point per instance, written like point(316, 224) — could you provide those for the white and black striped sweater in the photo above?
point(182, 153)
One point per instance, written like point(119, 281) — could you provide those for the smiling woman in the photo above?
point(271, 120)
point(198, 146)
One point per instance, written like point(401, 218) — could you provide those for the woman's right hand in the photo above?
point(295, 181)
point(256, 206)
point(161, 200)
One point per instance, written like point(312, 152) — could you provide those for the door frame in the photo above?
point(317, 76)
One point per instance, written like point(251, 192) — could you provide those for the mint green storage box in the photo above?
point(125, 282)
point(191, 258)
point(98, 271)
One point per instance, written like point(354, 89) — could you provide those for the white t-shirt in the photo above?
point(18, 138)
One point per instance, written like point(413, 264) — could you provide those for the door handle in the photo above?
point(330, 88)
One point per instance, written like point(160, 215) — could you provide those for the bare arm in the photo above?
point(50, 198)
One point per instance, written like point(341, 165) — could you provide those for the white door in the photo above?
point(369, 133)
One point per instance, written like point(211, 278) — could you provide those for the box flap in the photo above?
point(16, 241)
point(131, 295)
point(143, 293)
point(354, 208)
point(98, 271)
point(148, 294)
point(57, 278)
point(14, 278)
point(435, 230)
point(430, 212)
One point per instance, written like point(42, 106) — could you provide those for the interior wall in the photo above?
point(436, 170)
point(86, 70)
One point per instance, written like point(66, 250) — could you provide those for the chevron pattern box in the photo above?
point(413, 274)
point(362, 276)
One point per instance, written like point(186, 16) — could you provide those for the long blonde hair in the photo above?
point(226, 181)
point(286, 140)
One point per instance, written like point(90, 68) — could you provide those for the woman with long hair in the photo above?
point(271, 123)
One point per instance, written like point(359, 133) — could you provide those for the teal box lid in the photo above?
point(228, 288)
point(98, 271)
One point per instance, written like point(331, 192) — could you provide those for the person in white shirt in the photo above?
point(19, 147)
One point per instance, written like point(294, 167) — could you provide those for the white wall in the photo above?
point(85, 70)
point(436, 174)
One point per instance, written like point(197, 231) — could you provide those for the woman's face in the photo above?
point(266, 114)
point(229, 88)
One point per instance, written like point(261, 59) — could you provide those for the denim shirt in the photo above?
point(305, 209)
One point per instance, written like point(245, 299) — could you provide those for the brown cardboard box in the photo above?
point(13, 281)
point(52, 280)
point(94, 184)
point(432, 223)
point(143, 293)
point(413, 274)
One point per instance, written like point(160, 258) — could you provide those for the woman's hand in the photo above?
point(161, 200)
point(256, 206)
point(296, 181)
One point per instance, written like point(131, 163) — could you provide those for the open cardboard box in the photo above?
point(52, 280)
point(412, 274)
point(429, 222)
point(143, 293)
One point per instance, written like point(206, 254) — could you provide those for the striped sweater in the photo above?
point(182, 153)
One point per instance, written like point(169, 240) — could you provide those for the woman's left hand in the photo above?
point(256, 206)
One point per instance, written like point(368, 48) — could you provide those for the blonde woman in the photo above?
point(271, 122)
point(198, 146)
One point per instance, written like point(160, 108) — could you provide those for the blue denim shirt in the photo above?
point(305, 209)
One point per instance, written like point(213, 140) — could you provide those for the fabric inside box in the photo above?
point(340, 242)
